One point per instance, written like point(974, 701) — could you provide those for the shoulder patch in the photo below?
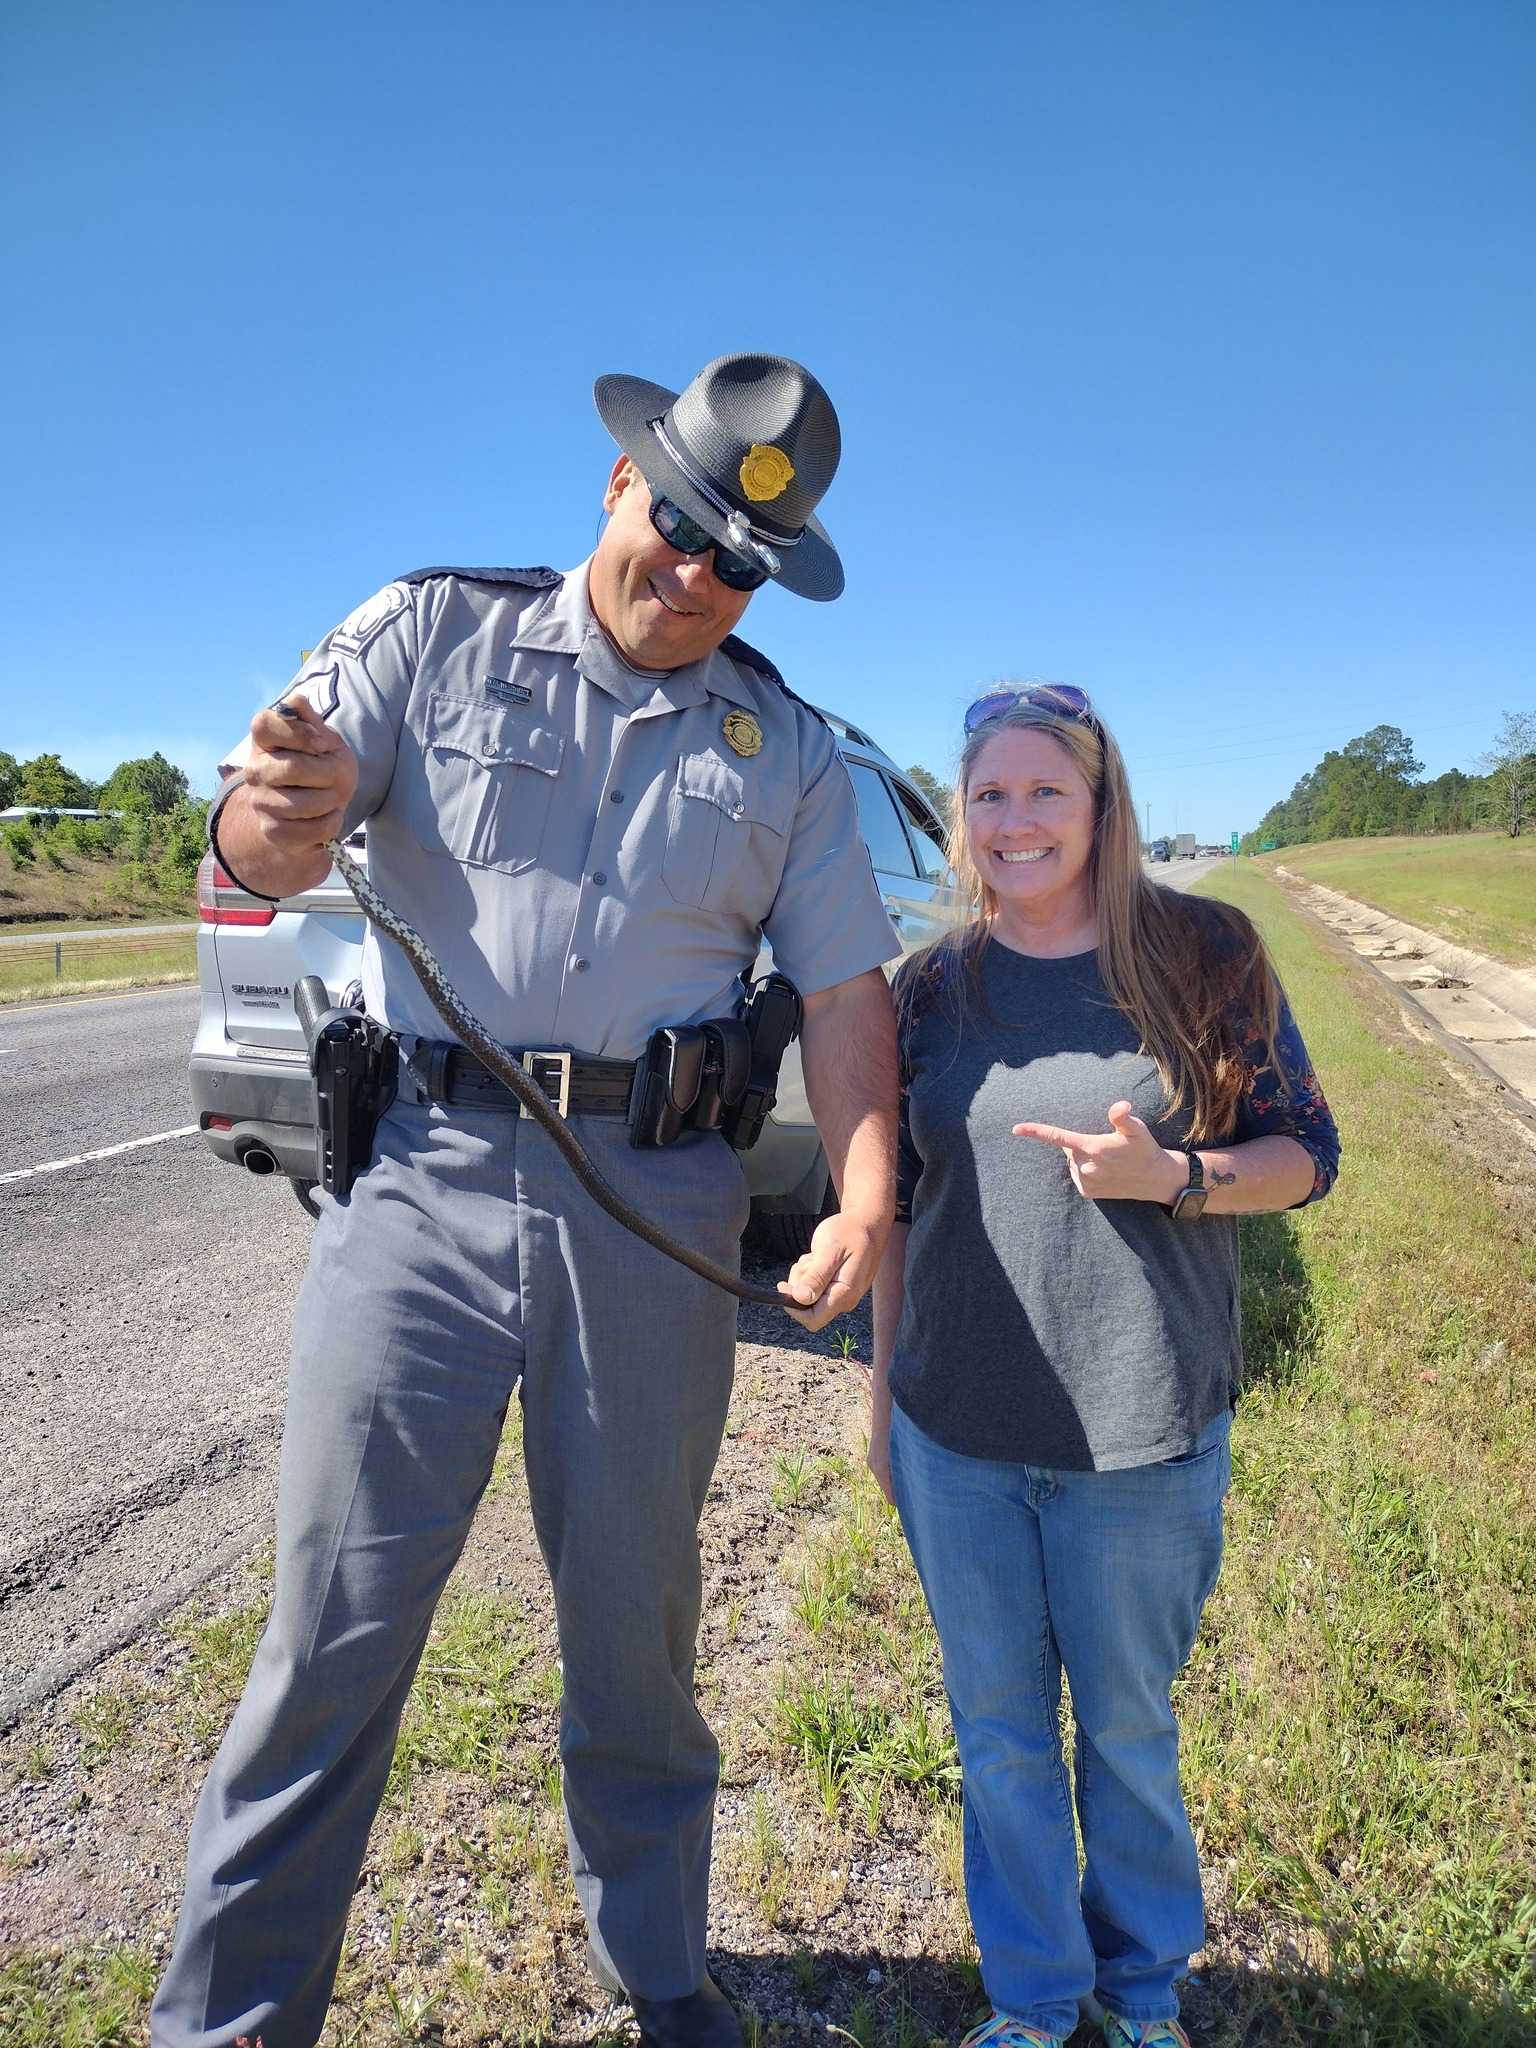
point(530, 579)
point(320, 683)
point(358, 628)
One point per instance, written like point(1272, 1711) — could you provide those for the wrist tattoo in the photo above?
point(1222, 1180)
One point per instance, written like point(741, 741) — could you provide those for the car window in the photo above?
point(927, 835)
point(879, 823)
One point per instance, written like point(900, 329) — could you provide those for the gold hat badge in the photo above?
point(743, 733)
point(766, 472)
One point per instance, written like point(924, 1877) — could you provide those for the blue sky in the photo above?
point(1182, 350)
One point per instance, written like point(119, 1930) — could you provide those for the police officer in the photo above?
point(592, 800)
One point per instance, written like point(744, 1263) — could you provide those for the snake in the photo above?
point(461, 1019)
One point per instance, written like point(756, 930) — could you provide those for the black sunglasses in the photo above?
point(689, 538)
point(1065, 699)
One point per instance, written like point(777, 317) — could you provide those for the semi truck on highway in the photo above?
point(1184, 846)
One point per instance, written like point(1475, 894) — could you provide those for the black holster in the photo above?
point(355, 1066)
point(721, 1075)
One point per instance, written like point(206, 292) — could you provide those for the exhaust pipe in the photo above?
point(257, 1159)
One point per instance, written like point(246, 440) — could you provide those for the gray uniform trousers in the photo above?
point(467, 1256)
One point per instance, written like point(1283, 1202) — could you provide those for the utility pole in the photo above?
point(1147, 807)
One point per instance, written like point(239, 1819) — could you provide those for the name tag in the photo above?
point(508, 692)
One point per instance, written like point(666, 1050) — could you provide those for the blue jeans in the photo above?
point(1027, 1571)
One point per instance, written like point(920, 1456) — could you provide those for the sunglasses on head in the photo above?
point(689, 538)
point(1064, 699)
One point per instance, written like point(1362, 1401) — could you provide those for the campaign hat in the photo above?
point(747, 449)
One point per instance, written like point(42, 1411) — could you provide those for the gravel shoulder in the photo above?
point(835, 1915)
point(810, 1916)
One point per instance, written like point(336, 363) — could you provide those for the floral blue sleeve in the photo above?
point(1282, 1098)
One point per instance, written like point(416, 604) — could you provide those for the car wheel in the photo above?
point(787, 1236)
point(305, 1192)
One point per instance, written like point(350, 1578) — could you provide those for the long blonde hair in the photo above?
point(1185, 970)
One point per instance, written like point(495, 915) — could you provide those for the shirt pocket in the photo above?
point(727, 832)
point(489, 776)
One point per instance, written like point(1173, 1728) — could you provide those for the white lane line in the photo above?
point(118, 995)
point(106, 1152)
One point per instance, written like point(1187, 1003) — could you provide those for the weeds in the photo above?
point(94, 1999)
point(799, 1478)
point(467, 1700)
point(105, 1721)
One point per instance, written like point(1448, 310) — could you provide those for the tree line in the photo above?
point(1372, 788)
point(149, 818)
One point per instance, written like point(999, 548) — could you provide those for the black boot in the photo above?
point(704, 2019)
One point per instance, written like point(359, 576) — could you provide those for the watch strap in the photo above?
point(1189, 1202)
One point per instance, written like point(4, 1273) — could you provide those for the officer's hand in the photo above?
point(836, 1273)
point(300, 776)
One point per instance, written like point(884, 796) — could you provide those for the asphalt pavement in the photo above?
point(1183, 874)
point(143, 1348)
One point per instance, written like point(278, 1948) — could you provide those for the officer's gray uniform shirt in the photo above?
point(576, 840)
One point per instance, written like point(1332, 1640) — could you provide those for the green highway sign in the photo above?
point(1234, 842)
point(1266, 846)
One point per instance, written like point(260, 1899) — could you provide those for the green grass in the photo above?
point(1477, 888)
point(1359, 1715)
point(1360, 1712)
point(95, 1999)
point(28, 969)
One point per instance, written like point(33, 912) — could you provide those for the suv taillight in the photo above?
point(221, 900)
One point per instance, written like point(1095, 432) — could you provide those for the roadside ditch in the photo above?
point(1485, 1006)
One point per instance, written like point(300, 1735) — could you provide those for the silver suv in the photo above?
point(250, 1074)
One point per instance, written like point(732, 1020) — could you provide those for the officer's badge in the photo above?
point(743, 734)
point(766, 472)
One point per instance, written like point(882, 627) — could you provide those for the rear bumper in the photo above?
point(268, 1104)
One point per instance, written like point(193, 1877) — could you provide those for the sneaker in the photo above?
point(1002, 2032)
point(1121, 2033)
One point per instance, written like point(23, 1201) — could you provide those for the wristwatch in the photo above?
point(1190, 1201)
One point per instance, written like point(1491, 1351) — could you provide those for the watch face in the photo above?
point(1188, 1204)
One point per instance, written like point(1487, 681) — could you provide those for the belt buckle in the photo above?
point(534, 1064)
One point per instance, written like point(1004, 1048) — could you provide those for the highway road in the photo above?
point(1183, 874)
point(143, 1349)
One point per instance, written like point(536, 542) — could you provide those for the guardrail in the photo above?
point(34, 962)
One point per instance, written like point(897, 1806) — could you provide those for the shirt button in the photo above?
point(600, 880)
point(581, 966)
point(615, 796)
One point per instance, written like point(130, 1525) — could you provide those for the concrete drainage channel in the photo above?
point(1485, 1006)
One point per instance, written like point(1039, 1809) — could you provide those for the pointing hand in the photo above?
point(1124, 1164)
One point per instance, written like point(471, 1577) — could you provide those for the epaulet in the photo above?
point(530, 579)
point(748, 656)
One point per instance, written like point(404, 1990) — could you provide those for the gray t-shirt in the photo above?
point(1041, 1328)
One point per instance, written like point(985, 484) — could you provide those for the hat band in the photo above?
point(743, 534)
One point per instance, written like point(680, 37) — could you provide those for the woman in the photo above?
point(1098, 1075)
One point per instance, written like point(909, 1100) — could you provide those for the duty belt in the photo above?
point(571, 1083)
